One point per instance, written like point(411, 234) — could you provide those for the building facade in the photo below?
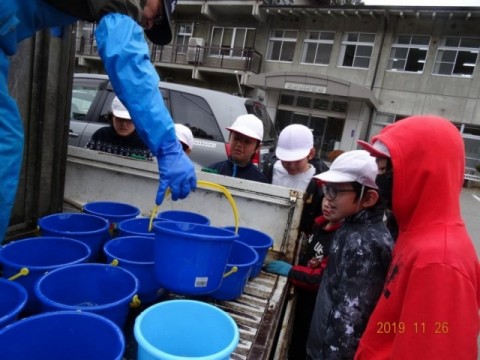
point(344, 71)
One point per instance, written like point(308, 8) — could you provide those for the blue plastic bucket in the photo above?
point(242, 258)
point(136, 254)
point(98, 288)
point(28, 259)
point(90, 229)
point(113, 212)
point(62, 335)
point(137, 227)
point(190, 259)
point(185, 329)
point(259, 241)
point(184, 216)
point(12, 301)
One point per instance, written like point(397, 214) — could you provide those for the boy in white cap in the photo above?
point(360, 255)
point(185, 136)
point(121, 137)
point(295, 153)
point(246, 135)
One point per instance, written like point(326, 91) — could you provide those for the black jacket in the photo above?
point(228, 168)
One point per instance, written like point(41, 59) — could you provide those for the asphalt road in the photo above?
point(470, 202)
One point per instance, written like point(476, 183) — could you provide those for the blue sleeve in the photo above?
point(125, 55)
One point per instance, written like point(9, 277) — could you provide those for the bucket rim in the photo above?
point(135, 211)
point(121, 225)
point(255, 231)
point(110, 243)
point(41, 223)
point(20, 305)
point(160, 227)
point(45, 299)
point(116, 331)
point(192, 213)
point(13, 264)
point(250, 263)
point(150, 349)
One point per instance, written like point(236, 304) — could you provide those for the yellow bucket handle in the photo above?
point(135, 303)
point(203, 183)
point(23, 272)
point(232, 270)
point(114, 262)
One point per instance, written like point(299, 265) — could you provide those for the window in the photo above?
point(184, 33)
point(356, 50)
point(317, 47)
point(232, 42)
point(281, 45)
point(194, 112)
point(457, 56)
point(408, 53)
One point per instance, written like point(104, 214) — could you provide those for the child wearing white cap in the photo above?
point(360, 255)
point(185, 136)
point(121, 137)
point(246, 135)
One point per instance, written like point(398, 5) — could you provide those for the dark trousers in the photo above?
point(301, 324)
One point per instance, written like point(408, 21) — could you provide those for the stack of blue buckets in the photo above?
point(49, 278)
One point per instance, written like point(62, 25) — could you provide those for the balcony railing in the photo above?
point(243, 59)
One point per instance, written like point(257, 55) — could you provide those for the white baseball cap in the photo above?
point(248, 125)
point(355, 165)
point(294, 143)
point(184, 134)
point(119, 110)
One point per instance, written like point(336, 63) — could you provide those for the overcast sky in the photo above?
point(424, 2)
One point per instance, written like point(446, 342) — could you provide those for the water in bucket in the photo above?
point(190, 259)
point(136, 227)
point(27, 260)
point(113, 212)
point(181, 329)
point(98, 288)
point(136, 254)
point(60, 336)
point(259, 241)
point(242, 258)
point(12, 301)
point(90, 229)
point(184, 216)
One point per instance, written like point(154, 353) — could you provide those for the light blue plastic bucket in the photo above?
point(184, 216)
point(185, 329)
point(113, 212)
point(242, 258)
point(190, 259)
point(27, 260)
point(136, 254)
point(137, 227)
point(97, 288)
point(89, 229)
point(60, 336)
point(12, 301)
point(259, 241)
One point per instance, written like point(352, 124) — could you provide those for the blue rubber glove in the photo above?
point(278, 267)
point(125, 55)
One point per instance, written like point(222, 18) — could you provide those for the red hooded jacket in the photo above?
point(429, 306)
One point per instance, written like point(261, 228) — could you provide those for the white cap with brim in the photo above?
point(248, 125)
point(184, 134)
point(378, 149)
point(352, 166)
point(294, 143)
point(119, 110)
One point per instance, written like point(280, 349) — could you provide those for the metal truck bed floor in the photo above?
point(257, 313)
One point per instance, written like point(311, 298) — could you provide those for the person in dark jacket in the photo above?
point(360, 255)
point(307, 275)
point(246, 134)
point(120, 138)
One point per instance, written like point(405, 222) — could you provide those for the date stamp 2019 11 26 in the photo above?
point(416, 327)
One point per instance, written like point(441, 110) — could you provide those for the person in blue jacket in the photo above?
point(124, 52)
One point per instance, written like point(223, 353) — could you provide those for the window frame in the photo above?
point(182, 48)
point(231, 51)
point(345, 43)
point(308, 43)
point(443, 48)
point(275, 39)
point(410, 54)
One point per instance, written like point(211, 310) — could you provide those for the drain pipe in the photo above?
point(238, 83)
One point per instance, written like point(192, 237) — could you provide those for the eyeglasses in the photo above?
point(332, 191)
